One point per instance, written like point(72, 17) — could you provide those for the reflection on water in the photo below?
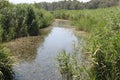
point(43, 67)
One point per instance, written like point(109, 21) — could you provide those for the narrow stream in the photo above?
point(43, 66)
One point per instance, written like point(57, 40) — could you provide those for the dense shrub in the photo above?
point(23, 20)
point(18, 21)
point(6, 72)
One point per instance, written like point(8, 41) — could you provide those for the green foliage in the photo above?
point(18, 21)
point(87, 19)
point(77, 5)
point(61, 14)
point(23, 20)
point(4, 3)
point(31, 22)
point(47, 19)
point(103, 43)
point(5, 65)
point(65, 65)
point(70, 67)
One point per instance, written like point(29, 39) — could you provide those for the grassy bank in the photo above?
point(89, 18)
point(103, 42)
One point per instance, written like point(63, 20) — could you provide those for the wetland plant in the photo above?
point(70, 67)
point(6, 72)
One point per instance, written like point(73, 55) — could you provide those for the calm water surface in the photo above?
point(43, 66)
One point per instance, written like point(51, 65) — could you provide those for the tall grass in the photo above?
point(6, 72)
point(22, 20)
point(103, 43)
point(70, 68)
point(88, 19)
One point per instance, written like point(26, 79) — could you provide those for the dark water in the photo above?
point(43, 66)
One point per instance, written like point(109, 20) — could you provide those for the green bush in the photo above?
point(18, 21)
point(47, 18)
point(23, 20)
point(5, 65)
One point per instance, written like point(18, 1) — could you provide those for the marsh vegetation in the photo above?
point(102, 43)
point(22, 32)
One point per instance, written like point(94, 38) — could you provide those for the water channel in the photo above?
point(43, 65)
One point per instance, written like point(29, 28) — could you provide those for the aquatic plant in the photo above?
point(71, 67)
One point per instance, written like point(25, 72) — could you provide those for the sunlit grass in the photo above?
point(103, 43)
